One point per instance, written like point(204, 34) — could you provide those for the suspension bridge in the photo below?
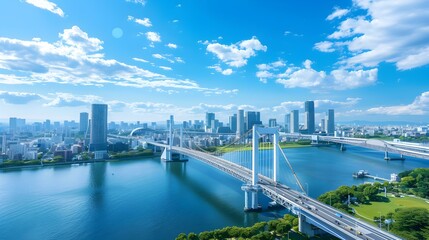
point(254, 158)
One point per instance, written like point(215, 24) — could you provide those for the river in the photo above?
point(151, 199)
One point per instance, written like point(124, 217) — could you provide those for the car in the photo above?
point(339, 215)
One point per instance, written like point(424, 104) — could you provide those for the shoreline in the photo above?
point(77, 162)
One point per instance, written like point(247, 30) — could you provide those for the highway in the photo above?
point(343, 226)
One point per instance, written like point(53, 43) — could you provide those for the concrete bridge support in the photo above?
point(253, 204)
point(304, 226)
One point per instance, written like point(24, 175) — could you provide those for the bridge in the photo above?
point(259, 173)
point(400, 148)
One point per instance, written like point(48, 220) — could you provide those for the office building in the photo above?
point(98, 132)
point(233, 123)
point(309, 117)
point(83, 122)
point(287, 123)
point(330, 122)
point(209, 119)
point(294, 121)
point(240, 123)
point(272, 122)
point(252, 118)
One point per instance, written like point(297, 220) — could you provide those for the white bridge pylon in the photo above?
point(257, 133)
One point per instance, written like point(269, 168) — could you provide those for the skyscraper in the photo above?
point(12, 125)
point(252, 118)
point(330, 122)
point(287, 123)
point(240, 123)
point(294, 121)
point(98, 136)
point(309, 117)
point(272, 122)
point(209, 118)
point(83, 122)
point(233, 123)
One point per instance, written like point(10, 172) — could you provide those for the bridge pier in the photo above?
point(304, 226)
point(342, 147)
point(254, 205)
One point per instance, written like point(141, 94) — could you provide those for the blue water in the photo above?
point(150, 199)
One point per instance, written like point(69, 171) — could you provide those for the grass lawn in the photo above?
point(375, 208)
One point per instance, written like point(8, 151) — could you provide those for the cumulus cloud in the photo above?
point(70, 100)
point(338, 13)
point(308, 77)
point(386, 31)
point(46, 5)
point(236, 55)
point(172, 45)
point(420, 106)
point(19, 97)
point(76, 59)
point(218, 69)
point(145, 21)
point(153, 37)
point(325, 46)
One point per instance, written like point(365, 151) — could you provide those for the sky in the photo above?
point(148, 59)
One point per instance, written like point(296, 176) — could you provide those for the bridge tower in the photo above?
point(254, 187)
point(167, 154)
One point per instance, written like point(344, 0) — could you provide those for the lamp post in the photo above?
point(379, 220)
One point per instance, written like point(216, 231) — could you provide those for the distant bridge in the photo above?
point(401, 148)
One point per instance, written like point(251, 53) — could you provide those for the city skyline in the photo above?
point(150, 59)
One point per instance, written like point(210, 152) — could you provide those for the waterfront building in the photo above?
point(287, 123)
point(330, 122)
point(209, 120)
point(272, 122)
point(294, 121)
point(233, 123)
point(309, 117)
point(83, 122)
point(252, 118)
point(98, 133)
point(240, 123)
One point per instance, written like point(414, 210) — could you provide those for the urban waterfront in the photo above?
point(151, 199)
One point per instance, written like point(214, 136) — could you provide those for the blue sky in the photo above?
point(148, 59)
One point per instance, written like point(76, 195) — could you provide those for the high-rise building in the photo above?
point(322, 125)
point(209, 119)
point(3, 144)
point(233, 123)
point(47, 125)
point(287, 123)
point(12, 125)
point(272, 122)
point(252, 118)
point(309, 117)
point(98, 136)
point(83, 122)
point(330, 122)
point(240, 123)
point(294, 121)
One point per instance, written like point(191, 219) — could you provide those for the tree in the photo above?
point(408, 181)
point(192, 236)
point(283, 228)
point(413, 222)
point(272, 225)
point(182, 236)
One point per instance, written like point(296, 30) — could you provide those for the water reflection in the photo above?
point(97, 177)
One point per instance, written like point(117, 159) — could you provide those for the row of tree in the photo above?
point(274, 229)
point(415, 182)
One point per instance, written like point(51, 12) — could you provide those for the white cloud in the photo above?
point(387, 31)
point(175, 21)
point(167, 57)
point(46, 5)
point(322, 105)
point(172, 45)
point(325, 46)
point(218, 69)
point(338, 13)
point(142, 2)
point(70, 100)
point(236, 55)
point(153, 37)
point(19, 97)
point(140, 60)
point(145, 21)
point(179, 60)
point(420, 106)
point(307, 77)
point(166, 68)
point(76, 59)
